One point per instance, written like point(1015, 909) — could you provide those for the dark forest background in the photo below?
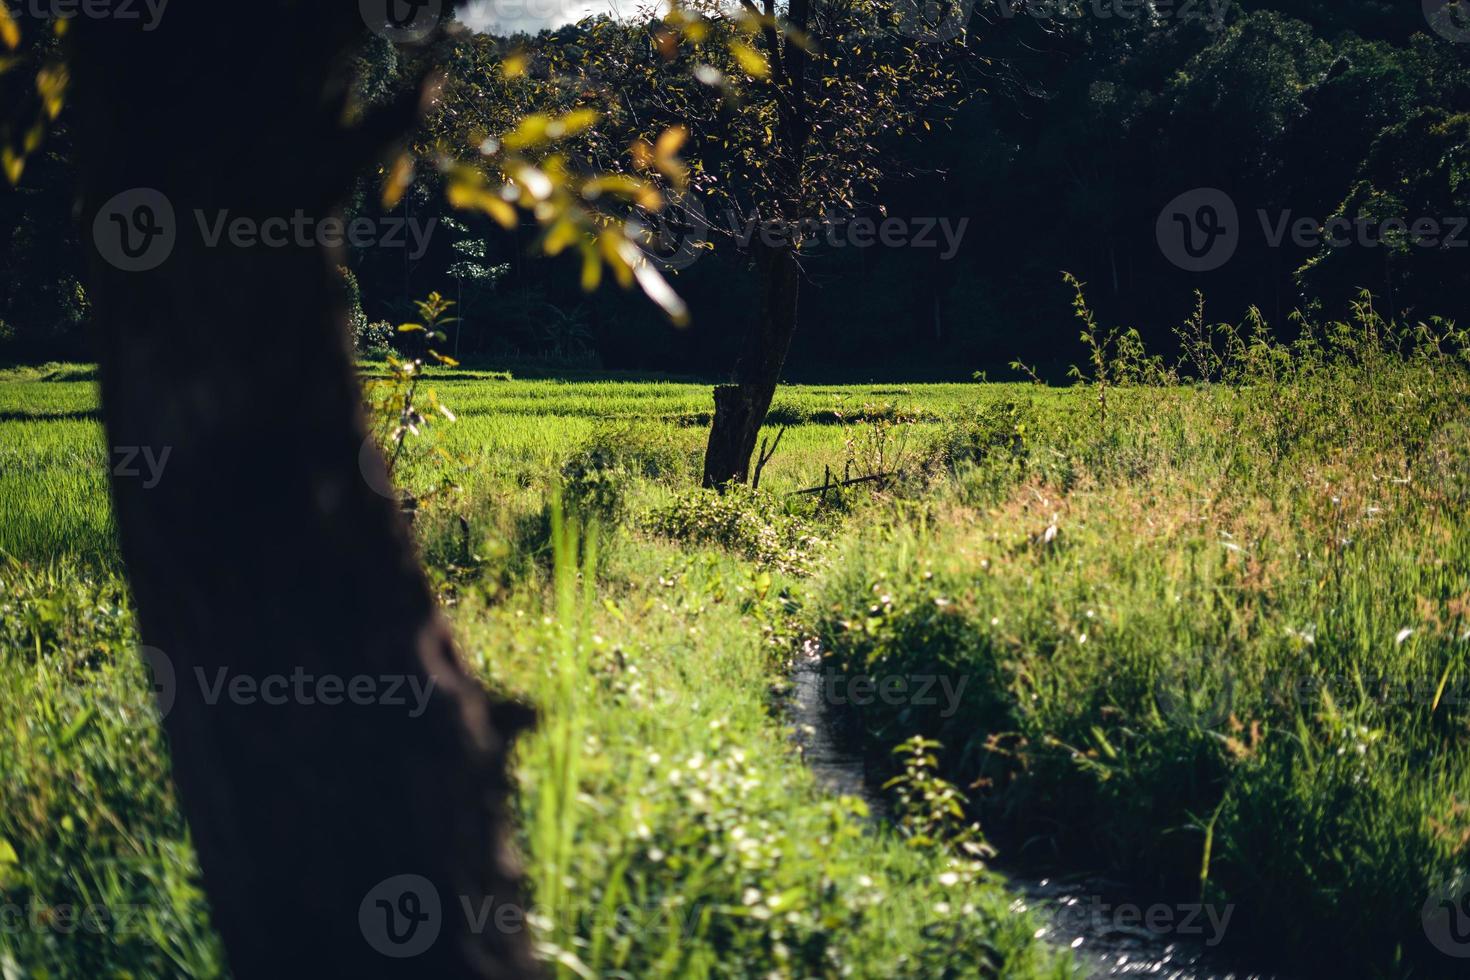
point(1086, 129)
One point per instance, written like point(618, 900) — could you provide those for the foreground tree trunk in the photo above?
point(741, 407)
point(343, 777)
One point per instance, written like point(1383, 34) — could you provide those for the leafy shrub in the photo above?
point(374, 340)
point(593, 484)
point(983, 434)
point(750, 523)
point(595, 479)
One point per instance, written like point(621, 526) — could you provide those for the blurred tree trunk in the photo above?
point(262, 550)
point(740, 408)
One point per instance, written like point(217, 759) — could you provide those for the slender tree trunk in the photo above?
point(741, 407)
point(326, 740)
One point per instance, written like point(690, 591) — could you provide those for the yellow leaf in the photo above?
point(611, 243)
point(397, 181)
point(499, 210)
point(642, 154)
point(12, 164)
point(562, 234)
point(463, 194)
point(51, 82)
point(665, 154)
point(624, 185)
point(577, 120)
point(751, 60)
point(530, 132)
point(9, 31)
point(514, 66)
point(591, 267)
point(669, 141)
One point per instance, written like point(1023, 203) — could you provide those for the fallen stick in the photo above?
point(847, 483)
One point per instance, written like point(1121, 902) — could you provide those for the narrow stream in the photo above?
point(1081, 913)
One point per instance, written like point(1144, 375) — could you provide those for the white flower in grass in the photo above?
point(1403, 635)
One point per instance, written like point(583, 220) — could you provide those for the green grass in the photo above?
point(1219, 643)
point(1180, 627)
point(668, 826)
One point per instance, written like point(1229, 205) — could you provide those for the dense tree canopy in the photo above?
point(1298, 109)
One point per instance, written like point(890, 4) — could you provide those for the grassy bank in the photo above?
point(669, 828)
point(1217, 641)
point(1211, 638)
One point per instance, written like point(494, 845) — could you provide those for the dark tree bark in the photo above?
point(263, 550)
point(741, 407)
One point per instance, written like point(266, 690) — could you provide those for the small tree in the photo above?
point(787, 116)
